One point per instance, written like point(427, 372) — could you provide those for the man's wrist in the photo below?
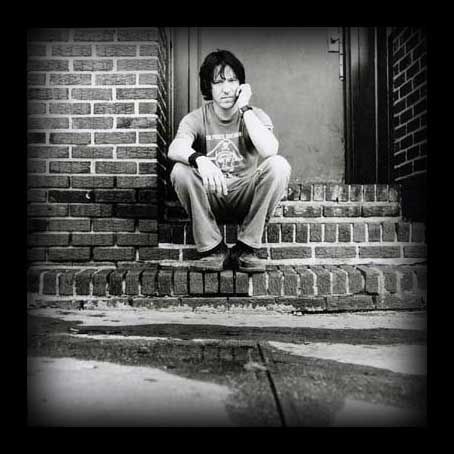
point(245, 108)
point(192, 159)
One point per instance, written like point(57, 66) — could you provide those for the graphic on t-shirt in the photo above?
point(225, 154)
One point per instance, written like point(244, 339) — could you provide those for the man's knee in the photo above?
point(278, 166)
point(181, 174)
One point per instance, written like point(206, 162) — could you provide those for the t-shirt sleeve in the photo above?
point(264, 118)
point(189, 127)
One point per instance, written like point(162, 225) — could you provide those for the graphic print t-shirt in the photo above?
point(226, 143)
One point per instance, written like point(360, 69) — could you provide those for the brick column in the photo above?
point(97, 131)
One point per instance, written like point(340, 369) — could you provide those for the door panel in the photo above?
point(294, 79)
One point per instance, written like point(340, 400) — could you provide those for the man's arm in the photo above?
point(263, 139)
point(213, 179)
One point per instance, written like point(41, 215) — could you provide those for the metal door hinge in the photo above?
point(336, 44)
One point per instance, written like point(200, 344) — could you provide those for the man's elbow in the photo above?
point(171, 152)
point(272, 149)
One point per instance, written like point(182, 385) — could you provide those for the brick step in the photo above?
point(322, 210)
point(369, 285)
point(304, 231)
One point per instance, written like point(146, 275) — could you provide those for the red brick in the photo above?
point(115, 137)
point(302, 211)
point(154, 253)
point(241, 283)
point(315, 232)
point(380, 210)
point(165, 282)
point(70, 50)
point(356, 193)
point(148, 182)
point(70, 79)
point(330, 233)
point(336, 192)
point(91, 93)
point(65, 283)
point(344, 235)
point(418, 232)
point(287, 232)
point(50, 283)
point(47, 65)
point(132, 282)
point(148, 225)
point(400, 302)
point(373, 232)
point(138, 34)
point(335, 252)
point(356, 282)
point(389, 231)
point(137, 239)
point(135, 122)
point(113, 225)
point(115, 79)
point(37, 210)
point(36, 166)
point(293, 191)
point(341, 211)
point(92, 210)
point(148, 168)
point(77, 138)
point(274, 283)
point(348, 303)
point(36, 108)
point(92, 182)
point(100, 279)
point(36, 79)
point(92, 152)
point(226, 282)
point(149, 284)
point(301, 233)
point(36, 137)
point(136, 211)
point(135, 64)
point(323, 280)
point(273, 233)
point(180, 282)
point(48, 239)
point(92, 123)
point(116, 50)
point(113, 254)
point(115, 167)
point(212, 283)
point(148, 79)
point(339, 280)
point(148, 107)
point(195, 283)
point(290, 283)
point(291, 252)
point(39, 181)
point(136, 153)
point(93, 65)
point(93, 35)
point(258, 284)
point(319, 192)
point(307, 280)
point(36, 195)
point(147, 137)
point(406, 280)
point(69, 167)
point(83, 279)
point(403, 232)
point(372, 278)
point(69, 254)
point(114, 108)
point(92, 239)
point(379, 251)
point(134, 93)
point(69, 225)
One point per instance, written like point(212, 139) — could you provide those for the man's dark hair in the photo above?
point(223, 58)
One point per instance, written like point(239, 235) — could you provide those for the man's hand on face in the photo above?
point(212, 177)
point(244, 93)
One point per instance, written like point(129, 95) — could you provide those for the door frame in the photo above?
point(368, 158)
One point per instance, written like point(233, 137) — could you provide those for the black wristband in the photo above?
point(192, 159)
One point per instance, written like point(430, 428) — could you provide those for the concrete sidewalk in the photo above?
point(139, 367)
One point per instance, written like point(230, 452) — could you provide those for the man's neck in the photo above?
point(224, 114)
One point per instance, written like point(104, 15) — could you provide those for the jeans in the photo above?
point(250, 202)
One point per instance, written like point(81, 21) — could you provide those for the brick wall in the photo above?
point(409, 115)
point(97, 131)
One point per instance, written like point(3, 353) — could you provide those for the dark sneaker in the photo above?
point(249, 262)
point(212, 261)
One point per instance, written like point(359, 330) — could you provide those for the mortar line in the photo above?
point(273, 387)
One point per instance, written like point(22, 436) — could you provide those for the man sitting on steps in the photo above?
point(227, 167)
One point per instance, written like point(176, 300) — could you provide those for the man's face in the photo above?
point(224, 87)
